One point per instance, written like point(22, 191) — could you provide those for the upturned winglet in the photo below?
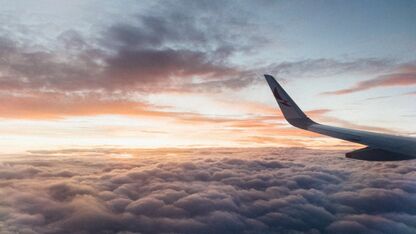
point(292, 113)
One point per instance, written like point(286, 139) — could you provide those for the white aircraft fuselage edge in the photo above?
point(380, 147)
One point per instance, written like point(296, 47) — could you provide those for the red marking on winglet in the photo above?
point(279, 98)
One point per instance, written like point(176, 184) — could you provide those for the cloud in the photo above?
point(368, 224)
point(154, 51)
point(404, 77)
point(25, 68)
point(411, 93)
point(64, 191)
point(225, 190)
point(325, 67)
point(133, 67)
point(166, 49)
point(53, 105)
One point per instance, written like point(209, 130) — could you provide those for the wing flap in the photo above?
point(371, 154)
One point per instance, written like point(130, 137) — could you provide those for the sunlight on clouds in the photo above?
point(120, 155)
point(207, 190)
point(118, 131)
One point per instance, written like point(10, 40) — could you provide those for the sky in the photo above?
point(157, 74)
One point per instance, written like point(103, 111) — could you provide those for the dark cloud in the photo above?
point(169, 48)
point(23, 68)
point(132, 67)
point(155, 51)
point(266, 190)
point(155, 31)
point(65, 191)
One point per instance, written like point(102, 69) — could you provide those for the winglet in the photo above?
point(292, 113)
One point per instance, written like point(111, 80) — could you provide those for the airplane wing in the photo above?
point(380, 147)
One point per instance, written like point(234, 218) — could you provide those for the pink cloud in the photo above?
point(404, 77)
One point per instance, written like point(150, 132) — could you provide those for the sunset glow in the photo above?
point(72, 76)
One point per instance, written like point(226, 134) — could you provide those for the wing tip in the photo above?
point(292, 113)
point(271, 81)
point(267, 76)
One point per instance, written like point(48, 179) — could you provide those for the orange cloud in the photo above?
point(52, 105)
point(57, 105)
point(264, 128)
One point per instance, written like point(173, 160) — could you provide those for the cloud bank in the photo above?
point(287, 190)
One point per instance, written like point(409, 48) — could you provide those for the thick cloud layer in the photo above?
point(269, 190)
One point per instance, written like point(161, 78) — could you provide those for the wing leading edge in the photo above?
point(381, 147)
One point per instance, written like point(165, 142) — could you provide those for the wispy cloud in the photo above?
point(325, 67)
point(52, 105)
point(411, 93)
point(404, 77)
